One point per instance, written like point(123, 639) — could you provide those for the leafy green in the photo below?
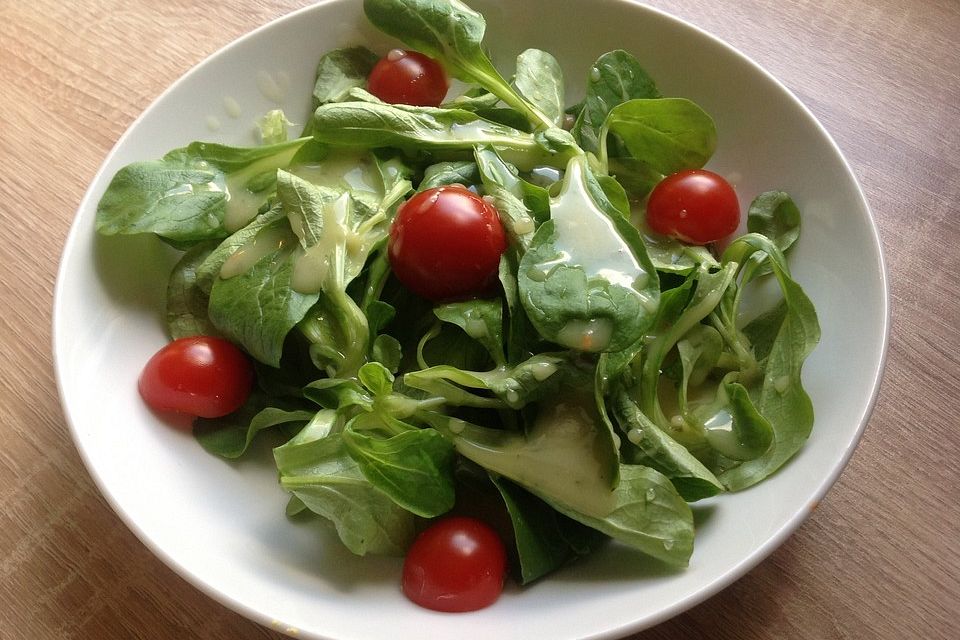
point(186, 302)
point(316, 468)
point(511, 386)
point(782, 400)
point(545, 539)
point(443, 173)
point(482, 320)
point(521, 205)
point(258, 306)
point(646, 444)
point(341, 70)
point(539, 79)
point(647, 513)
point(452, 33)
point(231, 435)
point(431, 129)
point(414, 468)
point(668, 134)
point(199, 192)
point(586, 282)
point(614, 78)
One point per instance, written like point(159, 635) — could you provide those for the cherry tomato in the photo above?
point(696, 206)
point(408, 77)
point(199, 376)
point(446, 243)
point(457, 564)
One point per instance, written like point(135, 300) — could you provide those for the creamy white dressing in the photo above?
point(310, 269)
point(273, 86)
point(558, 459)
point(242, 204)
point(263, 244)
point(542, 370)
point(232, 107)
point(586, 335)
point(720, 433)
point(545, 176)
point(343, 171)
point(523, 225)
point(456, 425)
point(781, 384)
point(475, 130)
point(576, 219)
point(475, 328)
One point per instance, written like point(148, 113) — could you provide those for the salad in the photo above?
point(484, 328)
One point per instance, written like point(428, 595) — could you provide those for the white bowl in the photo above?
point(222, 526)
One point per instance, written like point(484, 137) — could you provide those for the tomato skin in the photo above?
point(445, 244)
point(408, 77)
point(696, 206)
point(199, 376)
point(457, 564)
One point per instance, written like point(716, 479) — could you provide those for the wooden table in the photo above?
point(878, 559)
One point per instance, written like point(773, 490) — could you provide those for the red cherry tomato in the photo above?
point(696, 206)
point(408, 77)
point(457, 564)
point(446, 243)
point(199, 376)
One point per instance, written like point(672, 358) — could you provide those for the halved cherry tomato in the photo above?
point(199, 376)
point(446, 243)
point(408, 77)
point(696, 206)
point(457, 564)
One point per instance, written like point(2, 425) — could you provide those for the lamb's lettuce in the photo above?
point(611, 379)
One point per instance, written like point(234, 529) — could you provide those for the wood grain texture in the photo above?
point(878, 559)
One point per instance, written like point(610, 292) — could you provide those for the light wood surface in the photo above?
point(879, 557)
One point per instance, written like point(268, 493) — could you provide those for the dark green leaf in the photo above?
point(186, 301)
point(414, 468)
point(668, 134)
point(615, 78)
point(586, 281)
point(545, 539)
point(539, 79)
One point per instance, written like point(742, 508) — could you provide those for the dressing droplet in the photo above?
point(781, 384)
point(595, 75)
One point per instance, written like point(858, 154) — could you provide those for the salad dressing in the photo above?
point(542, 370)
point(232, 107)
point(586, 238)
point(267, 241)
point(347, 170)
point(474, 130)
point(584, 231)
point(561, 458)
point(242, 204)
point(586, 335)
point(311, 268)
